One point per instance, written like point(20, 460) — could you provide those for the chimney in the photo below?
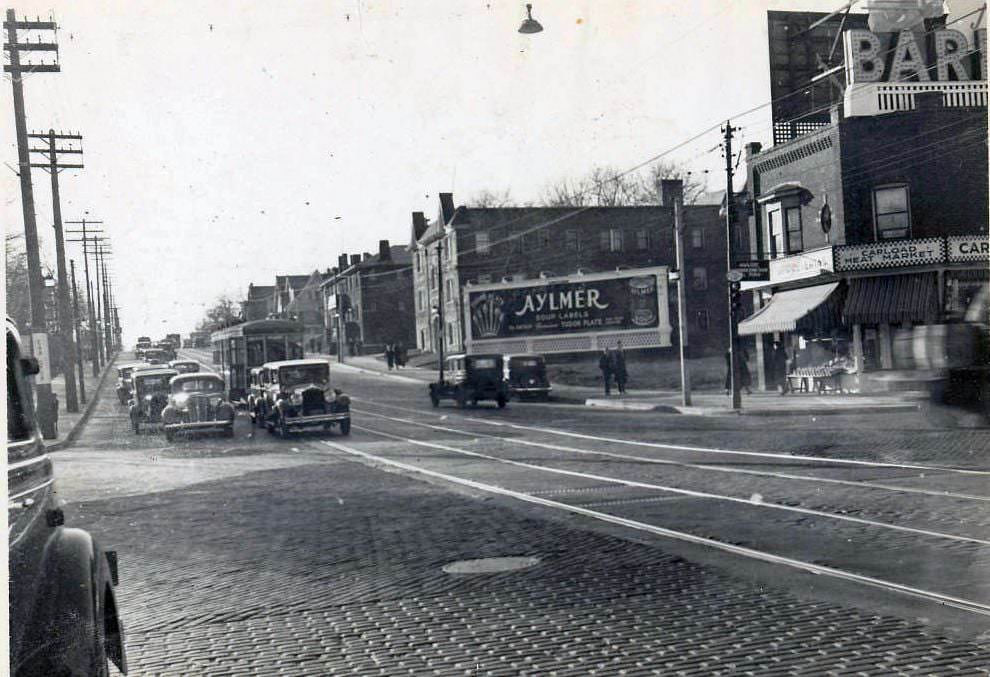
point(355, 259)
point(419, 225)
point(384, 253)
point(342, 261)
point(753, 148)
point(670, 190)
point(446, 207)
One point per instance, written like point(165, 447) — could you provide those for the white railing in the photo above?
point(877, 98)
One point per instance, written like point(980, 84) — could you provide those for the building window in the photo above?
point(611, 240)
point(699, 279)
point(891, 212)
point(703, 319)
point(697, 238)
point(481, 245)
point(642, 239)
point(795, 240)
point(571, 242)
point(484, 278)
point(775, 226)
point(544, 238)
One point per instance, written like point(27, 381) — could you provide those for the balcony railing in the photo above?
point(877, 98)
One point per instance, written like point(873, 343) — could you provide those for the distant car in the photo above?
point(256, 396)
point(143, 344)
point(301, 396)
point(185, 366)
point(156, 356)
point(196, 402)
point(149, 397)
point(62, 609)
point(167, 349)
point(124, 372)
point(471, 378)
point(526, 376)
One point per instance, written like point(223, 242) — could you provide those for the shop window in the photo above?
point(891, 212)
point(699, 279)
point(795, 240)
point(697, 238)
point(571, 242)
point(642, 239)
point(481, 244)
point(775, 227)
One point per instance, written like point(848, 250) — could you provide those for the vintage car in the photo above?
point(143, 344)
point(301, 396)
point(526, 376)
point(185, 366)
point(256, 396)
point(167, 349)
point(196, 402)
point(470, 378)
point(124, 372)
point(156, 356)
point(62, 609)
point(149, 397)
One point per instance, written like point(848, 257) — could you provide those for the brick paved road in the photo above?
point(261, 556)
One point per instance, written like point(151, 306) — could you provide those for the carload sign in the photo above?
point(752, 271)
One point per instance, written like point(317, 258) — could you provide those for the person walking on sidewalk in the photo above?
point(390, 356)
point(743, 378)
point(619, 367)
point(780, 368)
point(400, 355)
point(605, 364)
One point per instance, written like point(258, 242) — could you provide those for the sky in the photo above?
point(227, 142)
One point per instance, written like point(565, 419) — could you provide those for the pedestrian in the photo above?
point(605, 364)
point(390, 356)
point(400, 355)
point(619, 367)
point(780, 367)
point(745, 379)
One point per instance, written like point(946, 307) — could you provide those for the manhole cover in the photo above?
point(490, 565)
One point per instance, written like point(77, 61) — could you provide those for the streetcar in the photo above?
point(239, 348)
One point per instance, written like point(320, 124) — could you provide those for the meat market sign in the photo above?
point(555, 310)
point(890, 254)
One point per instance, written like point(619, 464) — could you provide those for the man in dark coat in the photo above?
point(619, 367)
point(605, 364)
point(390, 356)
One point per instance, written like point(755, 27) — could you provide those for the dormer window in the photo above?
point(782, 208)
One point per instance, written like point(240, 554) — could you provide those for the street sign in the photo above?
point(751, 271)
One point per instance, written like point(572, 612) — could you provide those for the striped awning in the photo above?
point(892, 299)
point(805, 308)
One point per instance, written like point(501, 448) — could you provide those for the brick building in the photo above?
point(260, 302)
point(483, 245)
point(368, 301)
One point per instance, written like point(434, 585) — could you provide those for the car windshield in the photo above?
point(149, 383)
point(199, 385)
point(307, 373)
point(525, 362)
point(125, 373)
point(484, 363)
point(187, 367)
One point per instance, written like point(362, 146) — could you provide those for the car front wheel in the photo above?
point(283, 427)
point(345, 427)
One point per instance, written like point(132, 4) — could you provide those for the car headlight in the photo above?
point(215, 401)
point(343, 400)
point(148, 398)
point(181, 401)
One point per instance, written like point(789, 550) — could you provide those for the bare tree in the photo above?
point(224, 312)
point(605, 186)
point(491, 198)
point(18, 289)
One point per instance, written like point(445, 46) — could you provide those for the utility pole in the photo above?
point(441, 329)
point(675, 188)
point(731, 300)
point(65, 327)
point(90, 308)
point(75, 324)
point(107, 330)
point(46, 411)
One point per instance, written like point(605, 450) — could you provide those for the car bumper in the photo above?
point(198, 425)
point(316, 419)
point(530, 390)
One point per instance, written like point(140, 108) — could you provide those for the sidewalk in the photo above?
point(70, 423)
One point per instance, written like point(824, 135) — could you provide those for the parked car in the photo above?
point(526, 376)
point(256, 397)
point(149, 397)
point(124, 373)
point(301, 396)
point(185, 366)
point(62, 608)
point(471, 378)
point(197, 402)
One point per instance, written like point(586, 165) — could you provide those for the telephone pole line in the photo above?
point(734, 375)
point(78, 330)
point(675, 187)
point(441, 330)
point(46, 407)
point(107, 330)
point(90, 308)
point(65, 328)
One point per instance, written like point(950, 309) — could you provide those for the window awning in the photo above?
point(805, 308)
point(893, 299)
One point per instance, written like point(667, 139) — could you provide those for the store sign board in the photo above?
point(890, 254)
point(800, 266)
point(961, 248)
point(39, 349)
point(752, 271)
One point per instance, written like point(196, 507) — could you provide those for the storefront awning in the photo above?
point(790, 309)
point(892, 300)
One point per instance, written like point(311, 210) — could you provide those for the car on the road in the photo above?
point(143, 344)
point(124, 374)
point(62, 608)
point(256, 396)
point(156, 356)
point(185, 366)
point(301, 396)
point(196, 402)
point(167, 348)
point(526, 376)
point(149, 397)
point(471, 378)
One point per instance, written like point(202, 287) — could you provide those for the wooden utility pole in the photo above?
point(675, 188)
point(107, 329)
point(90, 307)
point(64, 316)
point(734, 384)
point(440, 302)
point(46, 409)
point(75, 325)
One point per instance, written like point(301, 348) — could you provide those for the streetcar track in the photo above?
point(707, 450)
point(684, 492)
point(970, 606)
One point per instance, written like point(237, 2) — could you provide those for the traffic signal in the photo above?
point(735, 298)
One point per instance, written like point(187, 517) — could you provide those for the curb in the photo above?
point(620, 405)
point(81, 421)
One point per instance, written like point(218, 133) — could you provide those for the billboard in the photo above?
point(569, 314)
